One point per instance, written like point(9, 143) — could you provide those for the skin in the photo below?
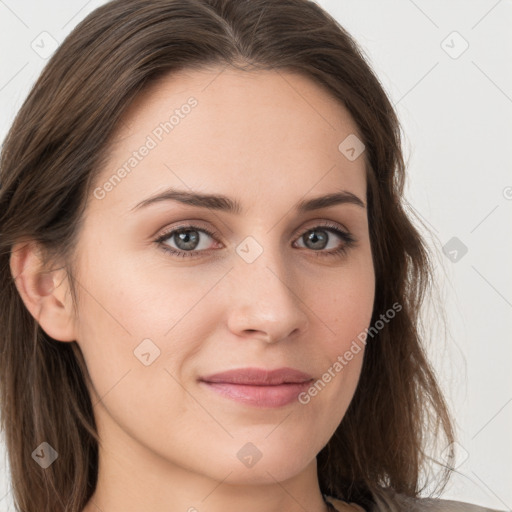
point(267, 139)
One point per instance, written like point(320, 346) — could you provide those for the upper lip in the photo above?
point(259, 376)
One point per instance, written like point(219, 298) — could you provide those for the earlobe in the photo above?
point(44, 293)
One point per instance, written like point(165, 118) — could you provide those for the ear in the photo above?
point(45, 293)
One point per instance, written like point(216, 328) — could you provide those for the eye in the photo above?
point(187, 239)
point(319, 237)
point(191, 240)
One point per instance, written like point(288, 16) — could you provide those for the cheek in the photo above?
point(343, 301)
point(136, 310)
point(134, 333)
point(344, 305)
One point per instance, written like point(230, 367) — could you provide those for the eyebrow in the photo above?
point(226, 204)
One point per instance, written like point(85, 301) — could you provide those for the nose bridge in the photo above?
point(264, 296)
point(261, 262)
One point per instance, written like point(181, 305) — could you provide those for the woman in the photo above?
point(210, 287)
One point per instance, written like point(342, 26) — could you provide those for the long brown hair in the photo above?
point(53, 153)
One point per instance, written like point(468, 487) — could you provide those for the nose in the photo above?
point(265, 302)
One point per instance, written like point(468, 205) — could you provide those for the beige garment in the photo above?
point(419, 505)
point(341, 506)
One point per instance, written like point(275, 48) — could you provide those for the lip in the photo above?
point(259, 387)
point(259, 376)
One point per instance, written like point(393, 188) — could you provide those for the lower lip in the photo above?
point(260, 396)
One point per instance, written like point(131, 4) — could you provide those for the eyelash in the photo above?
point(349, 240)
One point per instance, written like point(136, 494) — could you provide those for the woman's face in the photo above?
point(266, 290)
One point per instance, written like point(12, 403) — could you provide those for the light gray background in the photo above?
point(456, 115)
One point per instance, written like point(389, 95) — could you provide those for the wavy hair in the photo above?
point(49, 160)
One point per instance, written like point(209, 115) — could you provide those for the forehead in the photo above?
point(246, 130)
point(235, 93)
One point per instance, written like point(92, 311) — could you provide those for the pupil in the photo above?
point(313, 237)
point(187, 239)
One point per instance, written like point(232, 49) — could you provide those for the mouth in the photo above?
point(259, 387)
